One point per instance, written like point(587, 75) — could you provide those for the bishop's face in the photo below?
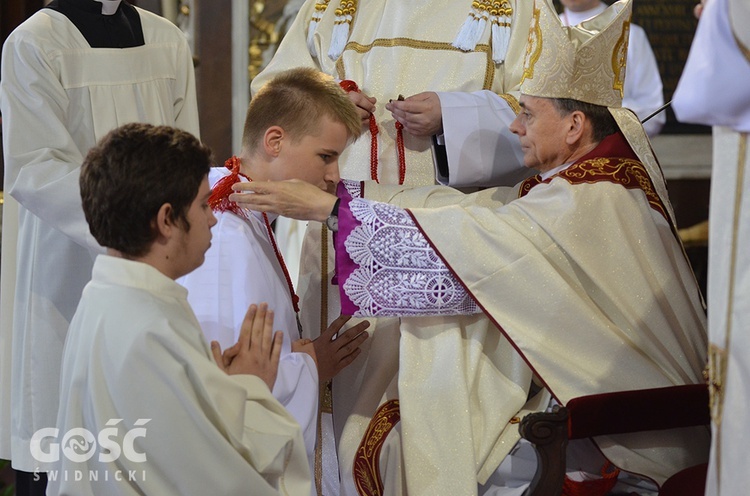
point(542, 132)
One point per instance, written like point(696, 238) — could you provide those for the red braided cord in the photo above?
point(373, 149)
point(219, 199)
point(401, 155)
point(348, 85)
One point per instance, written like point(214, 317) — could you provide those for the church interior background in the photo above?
point(233, 40)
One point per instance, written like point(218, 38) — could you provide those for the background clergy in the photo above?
point(70, 73)
point(712, 91)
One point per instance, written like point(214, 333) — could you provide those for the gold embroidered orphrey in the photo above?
point(367, 461)
point(533, 47)
point(620, 58)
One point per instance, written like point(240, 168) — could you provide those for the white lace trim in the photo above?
point(354, 188)
point(399, 273)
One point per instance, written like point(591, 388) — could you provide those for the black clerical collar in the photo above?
point(122, 29)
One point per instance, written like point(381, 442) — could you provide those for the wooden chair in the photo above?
point(615, 413)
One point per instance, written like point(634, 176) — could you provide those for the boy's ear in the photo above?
point(164, 223)
point(272, 140)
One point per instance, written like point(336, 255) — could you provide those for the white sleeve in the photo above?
point(42, 162)
point(387, 267)
point(643, 92)
point(231, 420)
point(480, 149)
point(296, 388)
point(713, 88)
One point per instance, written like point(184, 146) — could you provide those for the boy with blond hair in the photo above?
point(296, 127)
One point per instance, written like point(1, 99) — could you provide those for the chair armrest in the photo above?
point(548, 432)
point(605, 414)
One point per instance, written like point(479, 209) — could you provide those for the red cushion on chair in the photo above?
point(688, 482)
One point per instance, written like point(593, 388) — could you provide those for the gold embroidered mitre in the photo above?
point(585, 62)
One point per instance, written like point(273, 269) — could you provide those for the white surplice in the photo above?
point(241, 268)
point(58, 96)
point(135, 352)
point(713, 91)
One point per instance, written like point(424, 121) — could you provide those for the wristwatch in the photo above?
point(332, 222)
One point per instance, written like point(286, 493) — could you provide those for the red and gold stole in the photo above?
point(612, 161)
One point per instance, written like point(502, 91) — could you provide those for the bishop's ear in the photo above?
point(576, 127)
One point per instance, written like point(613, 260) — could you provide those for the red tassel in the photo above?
point(219, 200)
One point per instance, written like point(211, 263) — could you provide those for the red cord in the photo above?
point(348, 85)
point(219, 202)
point(280, 258)
point(373, 149)
point(400, 150)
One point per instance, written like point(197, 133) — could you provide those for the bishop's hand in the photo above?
point(292, 198)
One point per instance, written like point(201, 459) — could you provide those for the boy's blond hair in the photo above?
point(296, 100)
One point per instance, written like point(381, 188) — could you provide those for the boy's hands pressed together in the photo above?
point(258, 349)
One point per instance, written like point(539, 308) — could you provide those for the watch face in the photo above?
point(332, 222)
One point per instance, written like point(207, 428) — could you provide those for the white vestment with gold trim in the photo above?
point(720, 59)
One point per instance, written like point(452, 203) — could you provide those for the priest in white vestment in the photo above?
point(713, 90)
point(574, 278)
point(146, 406)
point(72, 72)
